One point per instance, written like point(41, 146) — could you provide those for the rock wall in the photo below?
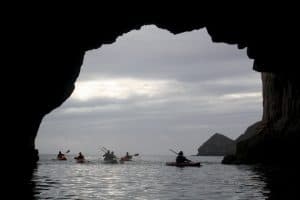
point(281, 103)
point(277, 135)
point(45, 48)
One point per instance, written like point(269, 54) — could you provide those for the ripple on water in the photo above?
point(146, 179)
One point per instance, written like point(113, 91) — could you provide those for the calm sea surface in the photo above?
point(146, 177)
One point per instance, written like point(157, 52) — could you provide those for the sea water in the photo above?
point(146, 177)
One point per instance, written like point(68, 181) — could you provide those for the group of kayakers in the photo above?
point(110, 157)
point(61, 156)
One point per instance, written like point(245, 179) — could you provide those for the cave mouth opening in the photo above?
point(151, 91)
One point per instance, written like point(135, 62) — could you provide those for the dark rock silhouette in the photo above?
point(221, 145)
point(250, 131)
point(50, 54)
point(44, 48)
point(217, 145)
point(277, 134)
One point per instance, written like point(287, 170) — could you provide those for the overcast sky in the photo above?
point(151, 91)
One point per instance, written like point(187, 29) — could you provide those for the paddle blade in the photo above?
point(173, 151)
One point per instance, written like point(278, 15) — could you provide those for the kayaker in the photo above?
point(60, 155)
point(113, 155)
point(181, 158)
point(107, 155)
point(80, 156)
point(127, 157)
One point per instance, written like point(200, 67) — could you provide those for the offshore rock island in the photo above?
point(217, 145)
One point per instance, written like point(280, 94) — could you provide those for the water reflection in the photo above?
point(153, 180)
point(18, 182)
point(281, 181)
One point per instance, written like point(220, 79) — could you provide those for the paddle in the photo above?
point(103, 150)
point(135, 154)
point(173, 151)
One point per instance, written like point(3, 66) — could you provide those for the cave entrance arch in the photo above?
point(152, 86)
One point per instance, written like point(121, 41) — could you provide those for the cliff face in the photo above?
point(281, 103)
point(250, 131)
point(217, 145)
point(275, 138)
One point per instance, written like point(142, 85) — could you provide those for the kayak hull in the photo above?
point(126, 158)
point(191, 164)
point(62, 158)
point(81, 161)
point(110, 162)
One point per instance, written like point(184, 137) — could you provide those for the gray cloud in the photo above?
point(207, 88)
point(188, 56)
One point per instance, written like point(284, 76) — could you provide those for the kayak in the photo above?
point(190, 164)
point(110, 162)
point(62, 158)
point(126, 158)
point(81, 161)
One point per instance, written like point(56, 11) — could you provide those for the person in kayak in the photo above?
point(80, 156)
point(107, 155)
point(181, 158)
point(113, 156)
point(60, 155)
point(127, 157)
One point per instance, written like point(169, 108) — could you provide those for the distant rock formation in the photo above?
point(221, 145)
point(217, 145)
